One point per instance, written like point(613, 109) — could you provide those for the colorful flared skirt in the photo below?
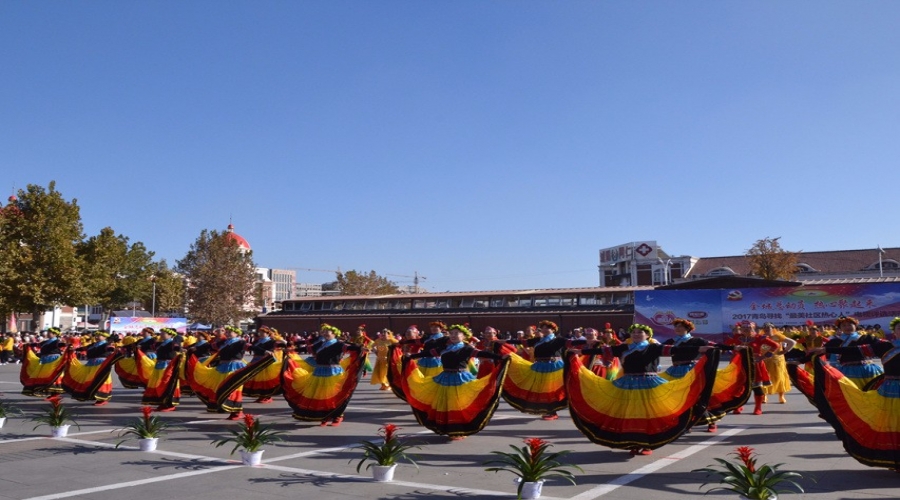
point(162, 385)
point(867, 422)
point(134, 371)
point(803, 380)
point(395, 371)
point(638, 411)
point(455, 404)
point(90, 382)
point(315, 397)
point(42, 379)
point(732, 387)
point(266, 383)
point(222, 391)
point(536, 388)
point(860, 374)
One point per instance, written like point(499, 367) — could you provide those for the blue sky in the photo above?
point(484, 145)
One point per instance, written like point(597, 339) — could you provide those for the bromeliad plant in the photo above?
point(7, 409)
point(55, 416)
point(146, 427)
point(745, 478)
point(532, 463)
point(251, 435)
point(388, 452)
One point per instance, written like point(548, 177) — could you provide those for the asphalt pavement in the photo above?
point(320, 462)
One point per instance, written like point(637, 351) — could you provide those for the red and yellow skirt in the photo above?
point(134, 371)
point(535, 388)
point(867, 422)
point(87, 382)
point(162, 385)
point(624, 415)
point(222, 391)
point(266, 383)
point(731, 389)
point(454, 404)
point(42, 379)
point(395, 371)
point(321, 397)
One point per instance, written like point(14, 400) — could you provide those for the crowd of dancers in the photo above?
point(453, 380)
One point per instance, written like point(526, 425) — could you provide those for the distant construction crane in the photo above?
point(415, 278)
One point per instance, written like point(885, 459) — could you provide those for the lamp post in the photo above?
point(667, 265)
point(153, 307)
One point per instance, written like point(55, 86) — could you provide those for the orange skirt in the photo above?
point(867, 422)
point(88, 383)
point(640, 417)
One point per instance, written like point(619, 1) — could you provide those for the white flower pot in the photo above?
point(251, 458)
point(148, 444)
point(383, 473)
point(2, 421)
point(60, 432)
point(532, 490)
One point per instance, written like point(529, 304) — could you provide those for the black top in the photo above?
point(550, 349)
point(850, 356)
point(233, 351)
point(457, 360)
point(645, 360)
point(332, 354)
point(98, 350)
point(50, 347)
point(260, 347)
point(167, 350)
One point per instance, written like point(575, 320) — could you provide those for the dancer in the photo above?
point(163, 389)
point(219, 381)
point(41, 373)
point(865, 421)
point(761, 348)
point(410, 344)
point(323, 394)
point(455, 402)
point(639, 411)
point(732, 384)
point(852, 363)
point(267, 383)
point(134, 367)
point(360, 338)
point(91, 380)
point(537, 387)
point(775, 365)
point(489, 343)
point(381, 345)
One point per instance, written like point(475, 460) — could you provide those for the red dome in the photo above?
point(230, 234)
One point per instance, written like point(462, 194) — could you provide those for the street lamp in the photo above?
point(667, 266)
point(153, 307)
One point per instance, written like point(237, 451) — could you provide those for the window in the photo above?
point(805, 268)
point(722, 271)
point(481, 303)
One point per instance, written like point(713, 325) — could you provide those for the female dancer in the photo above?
point(537, 387)
point(865, 421)
point(380, 372)
point(323, 394)
point(639, 411)
point(454, 402)
point(219, 381)
point(163, 389)
point(761, 348)
point(91, 380)
point(852, 364)
point(41, 373)
point(266, 383)
point(781, 382)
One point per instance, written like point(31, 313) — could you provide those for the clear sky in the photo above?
point(485, 145)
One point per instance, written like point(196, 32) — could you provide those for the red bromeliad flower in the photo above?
point(248, 420)
point(745, 453)
point(388, 431)
point(146, 411)
point(56, 400)
point(535, 446)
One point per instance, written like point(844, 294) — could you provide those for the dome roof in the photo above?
point(230, 234)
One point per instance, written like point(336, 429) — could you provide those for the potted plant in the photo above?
point(147, 429)
point(385, 454)
point(7, 410)
point(533, 465)
point(250, 437)
point(745, 478)
point(57, 417)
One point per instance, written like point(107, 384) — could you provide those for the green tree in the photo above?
point(40, 267)
point(116, 273)
point(220, 279)
point(356, 283)
point(769, 261)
